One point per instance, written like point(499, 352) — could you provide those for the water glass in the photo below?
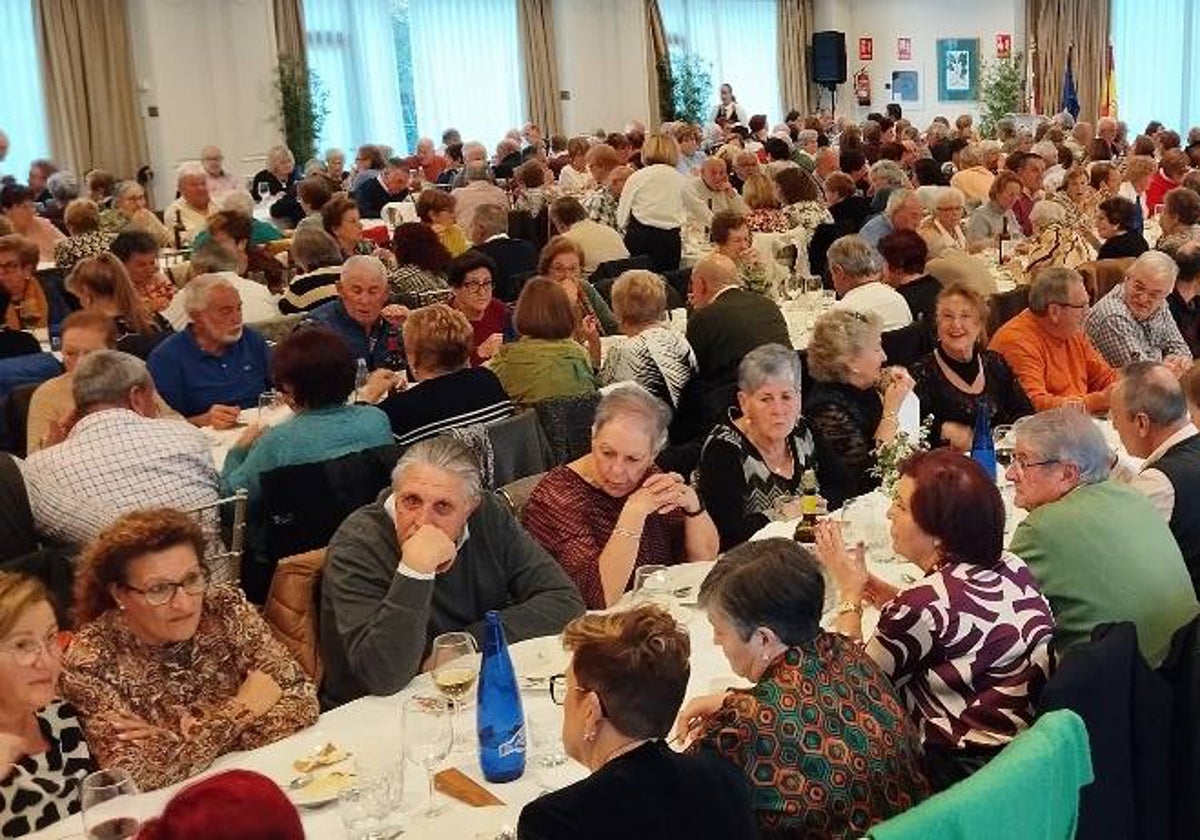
point(268, 401)
point(370, 808)
point(651, 586)
point(106, 799)
point(428, 733)
point(543, 722)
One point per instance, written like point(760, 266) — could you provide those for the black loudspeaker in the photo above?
point(829, 58)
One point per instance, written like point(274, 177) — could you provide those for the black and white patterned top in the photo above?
point(42, 789)
point(658, 359)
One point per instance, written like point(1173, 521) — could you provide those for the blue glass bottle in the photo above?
point(499, 716)
point(983, 448)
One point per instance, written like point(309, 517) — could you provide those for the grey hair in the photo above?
point(105, 377)
point(237, 201)
point(476, 171)
point(1158, 263)
point(199, 289)
point(946, 196)
point(888, 173)
point(1150, 388)
point(278, 154)
point(806, 135)
point(211, 257)
point(853, 255)
point(1067, 436)
point(335, 152)
point(769, 363)
point(123, 188)
point(1051, 285)
point(191, 169)
point(490, 219)
point(368, 262)
point(838, 336)
point(895, 198)
point(313, 248)
point(1046, 212)
point(631, 399)
point(63, 185)
point(444, 453)
point(473, 145)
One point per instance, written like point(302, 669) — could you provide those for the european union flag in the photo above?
point(1070, 99)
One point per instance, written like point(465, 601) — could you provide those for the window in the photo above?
point(22, 111)
point(738, 39)
point(417, 67)
point(1162, 89)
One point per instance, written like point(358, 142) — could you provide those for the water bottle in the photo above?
point(983, 448)
point(499, 717)
point(361, 375)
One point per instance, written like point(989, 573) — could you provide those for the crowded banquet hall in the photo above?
point(554, 420)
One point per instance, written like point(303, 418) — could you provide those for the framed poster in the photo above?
point(866, 49)
point(958, 69)
point(906, 87)
point(1003, 45)
point(904, 49)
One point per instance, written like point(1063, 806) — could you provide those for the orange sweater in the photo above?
point(1053, 370)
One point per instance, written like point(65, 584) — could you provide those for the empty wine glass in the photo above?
point(428, 733)
point(106, 799)
point(455, 668)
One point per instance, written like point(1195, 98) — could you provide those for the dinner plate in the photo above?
point(323, 789)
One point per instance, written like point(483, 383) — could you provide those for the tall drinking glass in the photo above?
point(106, 799)
point(428, 733)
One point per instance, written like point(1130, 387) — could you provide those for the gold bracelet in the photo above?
point(626, 533)
point(848, 607)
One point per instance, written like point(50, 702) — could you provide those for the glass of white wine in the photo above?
point(455, 666)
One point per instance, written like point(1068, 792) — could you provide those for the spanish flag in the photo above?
point(1108, 98)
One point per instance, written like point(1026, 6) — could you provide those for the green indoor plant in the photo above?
point(300, 99)
point(1001, 86)
point(691, 86)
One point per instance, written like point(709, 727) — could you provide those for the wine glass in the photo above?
point(455, 669)
point(428, 734)
point(106, 799)
point(1003, 442)
point(264, 191)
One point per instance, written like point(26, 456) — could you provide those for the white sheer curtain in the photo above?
point(352, 49)
point(1154, 51)
point(738, 39)
point(466, 67)
point(22, 112)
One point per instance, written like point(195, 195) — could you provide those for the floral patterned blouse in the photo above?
point(158, 292)
point(823, 726)
point(768, 220)
point(185, 689)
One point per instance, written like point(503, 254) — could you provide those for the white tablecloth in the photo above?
point(220, 441)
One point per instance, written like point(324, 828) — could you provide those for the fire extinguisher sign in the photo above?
point(862, 87)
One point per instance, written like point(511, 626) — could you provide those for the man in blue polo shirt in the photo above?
point(361, 315)
point(215, 367)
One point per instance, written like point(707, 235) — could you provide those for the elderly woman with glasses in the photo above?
point(628, 674)
point(968, 645)
point(960, 373)
point(1082, 530)
point(167, 672)
point(130, 212)
point(944, 227)
point(43, 756)
point(603, 515)
point(821, 723)
point(472, 277)
point(756, 459)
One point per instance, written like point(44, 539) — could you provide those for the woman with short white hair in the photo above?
point(277, 182)
point(944, 227)
point(1054, 242)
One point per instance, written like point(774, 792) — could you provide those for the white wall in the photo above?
point(206, 66)
point(924, 21)
point(601, 63)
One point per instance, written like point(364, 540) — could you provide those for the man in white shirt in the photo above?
point(600, 243)
point(711, 192)
point(479, 190)
point(219, 181)
point(117, 456)
point(854, 267)
point(194, 205)
point(258, 304)
point(1150, 413)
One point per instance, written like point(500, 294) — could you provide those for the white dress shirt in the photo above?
point(1153, 483)
point(881, 299)
point(653, 196)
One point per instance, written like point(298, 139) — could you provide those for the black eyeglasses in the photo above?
point(1070, 305)
point(1022, 465)
point(558, 692)
point(195, 583)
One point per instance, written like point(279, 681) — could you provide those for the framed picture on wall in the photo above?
point(906, 88)
point(958, 69)
point(904, 49)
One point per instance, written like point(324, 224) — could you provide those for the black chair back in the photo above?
point(607, 273)
point(567, 423)
point(680, 281)
point(16, 418)
point(1181, 669)
point(534, 229)
point(1004, 306)
point(907, 344)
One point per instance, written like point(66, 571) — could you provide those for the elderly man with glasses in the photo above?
point(1099, 549)
point(1048, 350)
point(1132, 323)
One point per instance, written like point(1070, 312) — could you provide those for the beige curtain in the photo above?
point(795, 32)
point(535, 20)
point(658, 63)
point(289, 28)
point(1053, 25)
point(91, 94)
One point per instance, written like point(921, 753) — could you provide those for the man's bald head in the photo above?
point(709, 276)
point(1148, 406)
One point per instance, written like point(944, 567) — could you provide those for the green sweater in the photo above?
point(1102, 553)
point(319, 435)
point(535, 369)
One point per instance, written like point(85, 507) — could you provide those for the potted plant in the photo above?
point(302, 110)
point(691, 86)
point(1002, 81)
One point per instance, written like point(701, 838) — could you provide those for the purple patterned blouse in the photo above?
point(968, 649)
